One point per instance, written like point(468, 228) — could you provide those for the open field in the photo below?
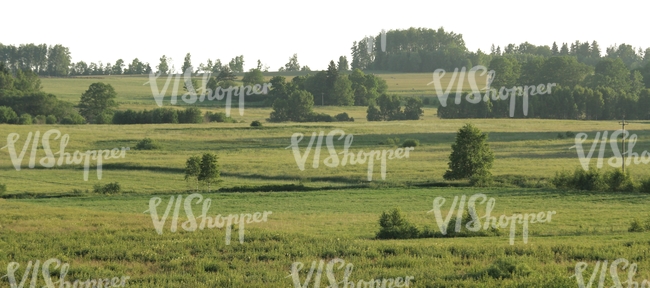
point(335, 216)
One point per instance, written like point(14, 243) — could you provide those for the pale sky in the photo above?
point(318, 32)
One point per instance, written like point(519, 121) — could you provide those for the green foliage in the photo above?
point(508, 267)
point(644, 185)
point(147, 144)
point(592, 180)
point(3, 189)
point(97, 100)
point(254, 76)
point(209, 173)
point(373, 114)
point(7, 115)
point(471, 155)
point(413, 109)
point(618, 181)
point(40, 119)
point(219, 117)
point(51, 119)
point(73, 119)
point(110, 188)
point(190, 115)
point(343, 117)
point(410, 143)
point(25, 119)
point(193, 169)
point(297, 107)
point(256, 123)
point(395, 226)
point(636, 226)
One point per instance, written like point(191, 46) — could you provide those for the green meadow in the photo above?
point(319, 213)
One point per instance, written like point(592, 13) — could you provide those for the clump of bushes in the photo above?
point(592, 180)
point(256, 123)
point(411, 143)
point(25, 119)
point(395, 226)
point(219, 117)
point(147, 144)
point(391, 141)
point(110, 188)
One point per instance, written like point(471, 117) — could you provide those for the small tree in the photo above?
point(471, 155)
point(193, 169)
point(209, 169)
point(97, 100)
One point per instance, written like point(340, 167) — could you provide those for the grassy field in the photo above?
point(335, 216)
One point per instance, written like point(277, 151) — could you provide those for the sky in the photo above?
point(272, 31)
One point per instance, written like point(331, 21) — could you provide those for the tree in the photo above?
point(209, 170)
point(297, 107)
point(187, 63)
point(254, 76)
point(413, 109)
point(98, 100)
point(163, 67)
point(7, 115)
point(389, 107)
point(237, 64)
point(373, 113)
point(470, 156)
point(193, 169)
point(118, 67)
point(343, 64)
point(292, 65)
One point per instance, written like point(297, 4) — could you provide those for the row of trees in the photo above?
point(424, 50)
point(610, 90)
point(390, 109)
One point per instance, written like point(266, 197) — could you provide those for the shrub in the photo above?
point(40, 119)
point(560, 136)
point(644, 186)
point(25, 119)
point(343, 117)
point(110, 188)
point(570, 134)
point(508, 267)
point(73, 119)
point(481, 180)
point(636, 226)
point(256, 124)
point(395, 226)
point(218, 117)
point(51, 119)
point(590, 180)
point(3, 189)
point(320, 117)
point(411, 143)
point(190, 115)
point(147, 144)
point(392, 141)
point(618, 181)
point(426, 100)
point(7, 115)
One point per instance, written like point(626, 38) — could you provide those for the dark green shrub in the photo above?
point(343, 117)
point(395, 226)
point(411, 143)
point(73, 119)
point(590, 180)
point(110, 188)
point(644, 186)
point(618, 181)
point(7, 115)
point(219, 117)
point(392, 141)
point(190, 115)
point(320, 117)
point(256, 124)
point(560, 136)
point(570, 134)
point(147, 144)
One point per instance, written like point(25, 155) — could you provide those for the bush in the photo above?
point(644, 186)
point(110, 188)
point(343, 117)
point(7, 115)
point(560, 136)
point(570, 134)
point(147, 144)
point(40, 119)
point(481, 180)
point(73, 119)
point(411, 143)
point(51, 119)
point(25, 119)
point(507, 268)
point(590, 180)
point(256, 124)
point(190, 115)
point(636, 226)
point(3, 189)
point(320, 117)
point(392, 141)
point(218, 117)
point(395, 226)
point(618, 181)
